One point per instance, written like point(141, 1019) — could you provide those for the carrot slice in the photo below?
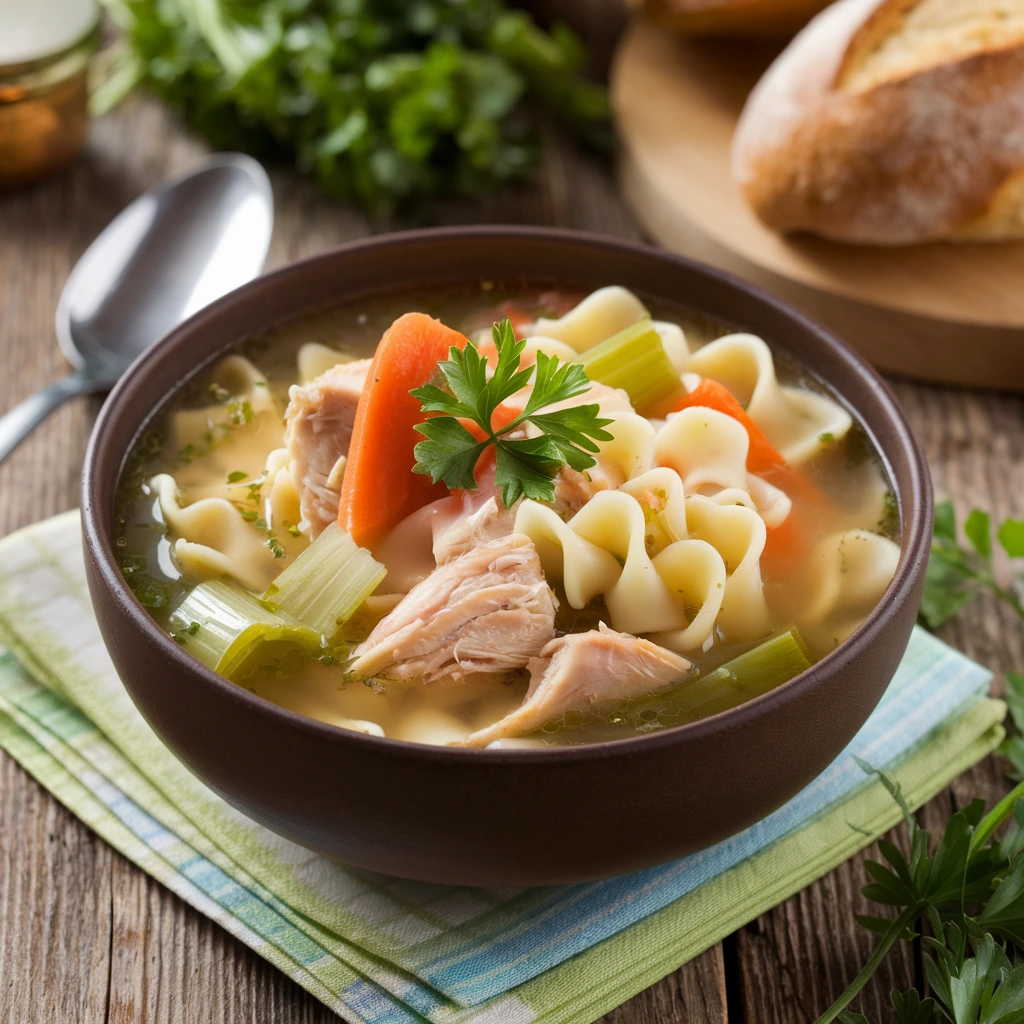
point(788, 540)
point(379, 488)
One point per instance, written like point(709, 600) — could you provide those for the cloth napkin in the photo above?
point(375, 948)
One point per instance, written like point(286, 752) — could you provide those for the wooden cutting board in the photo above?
point(945, 312)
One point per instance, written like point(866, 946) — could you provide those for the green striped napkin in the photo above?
point(381, 949)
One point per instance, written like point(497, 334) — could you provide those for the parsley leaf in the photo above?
point(524, 466)
point(956, 576)
point(969, 887)
point(1011, 537)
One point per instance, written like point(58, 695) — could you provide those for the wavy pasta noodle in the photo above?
point(631, 450)
point(796, 421)
point(695, 574)
point(314, 359)
point(738, 534)
point(212, 537)
point(659, 492)
point(600, 315)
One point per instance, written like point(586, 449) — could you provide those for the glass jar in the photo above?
point(45, 47)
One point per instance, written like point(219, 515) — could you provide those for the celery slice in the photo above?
point(324, 586)
point(233, 631)
point(772, 662)
point(634, 360)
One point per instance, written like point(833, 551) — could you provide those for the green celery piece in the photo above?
point(772, 662)
point(634, 360)
point(233, 631)
point(324, 586)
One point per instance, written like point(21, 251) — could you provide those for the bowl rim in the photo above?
point(915, 538)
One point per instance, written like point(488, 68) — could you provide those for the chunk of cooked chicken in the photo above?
point(472, 518)
point(489, 610)
point(578, 669)
point(466, 519)
point(319, 422)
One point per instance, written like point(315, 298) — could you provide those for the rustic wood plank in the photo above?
point(171, 964)
point(796, 959)
point(54, 909)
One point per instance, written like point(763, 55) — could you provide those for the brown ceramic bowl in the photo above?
point(483, 817)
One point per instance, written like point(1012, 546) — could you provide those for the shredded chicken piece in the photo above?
point(479, 519)
point(468, 519)
point(578, 669)
point(319, 422)
point(489, 610)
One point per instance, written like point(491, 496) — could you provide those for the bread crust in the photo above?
point(931, 155)
point(733, 17)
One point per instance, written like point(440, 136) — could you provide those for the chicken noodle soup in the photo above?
point(516, 518)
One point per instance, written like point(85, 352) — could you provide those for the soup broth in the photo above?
point(737, 545)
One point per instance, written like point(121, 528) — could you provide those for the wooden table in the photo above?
point(87, 937)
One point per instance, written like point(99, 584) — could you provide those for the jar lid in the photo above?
point(37, 29)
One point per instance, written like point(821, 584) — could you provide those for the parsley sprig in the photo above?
point(969, 887)
point(523, 466)
point(956, 575)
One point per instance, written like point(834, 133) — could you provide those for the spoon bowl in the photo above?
point(174, 250)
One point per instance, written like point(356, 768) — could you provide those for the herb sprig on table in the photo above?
point(956, 575)
point(968, 887)
point(386, 102)
point(523, 466)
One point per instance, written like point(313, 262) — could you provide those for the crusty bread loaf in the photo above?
point(892, 122)
point(733, 17)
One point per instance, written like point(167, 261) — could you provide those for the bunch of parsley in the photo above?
point(386, 102)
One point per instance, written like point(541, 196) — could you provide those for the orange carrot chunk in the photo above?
point(379, 488)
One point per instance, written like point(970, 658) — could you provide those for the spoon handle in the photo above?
point(17, 423)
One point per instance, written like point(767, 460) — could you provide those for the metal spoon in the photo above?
point(174, 250)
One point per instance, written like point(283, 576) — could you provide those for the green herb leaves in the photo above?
point(956, 575)
point(523, 466)
point(386, 103)
point(969, 886)
point(1012, 747)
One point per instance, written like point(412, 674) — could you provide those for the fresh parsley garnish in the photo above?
point(956, 575)
point(523, 466)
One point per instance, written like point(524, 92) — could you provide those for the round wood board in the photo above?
point(946, 312)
